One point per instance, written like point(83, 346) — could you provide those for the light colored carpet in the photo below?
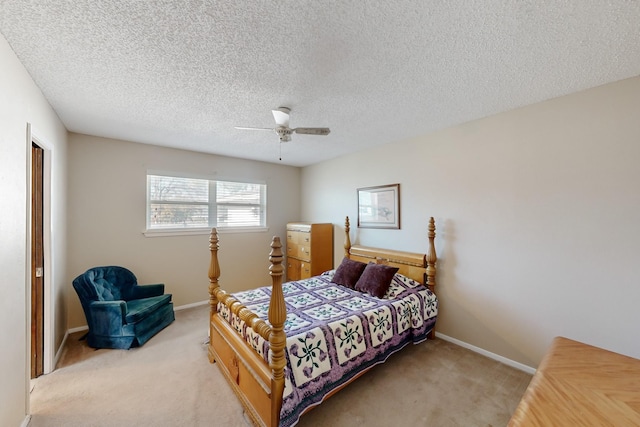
point(170, 382)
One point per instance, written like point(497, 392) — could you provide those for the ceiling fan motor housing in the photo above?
point(284, 133)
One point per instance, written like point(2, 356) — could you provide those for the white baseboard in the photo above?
point(497, 357)
point(182, 307)
point(59, 352)
point(195, 304)
point(78, 329)
point(26, 421)
point(64, 341)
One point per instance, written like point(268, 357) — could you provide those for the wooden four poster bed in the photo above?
point(340, 332)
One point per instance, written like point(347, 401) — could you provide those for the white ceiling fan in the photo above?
point(282, 129)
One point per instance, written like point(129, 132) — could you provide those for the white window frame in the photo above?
point(177, 231)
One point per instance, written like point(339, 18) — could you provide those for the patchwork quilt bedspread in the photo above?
point(334, 332)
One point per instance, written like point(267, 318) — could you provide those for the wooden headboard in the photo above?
point(417, 266)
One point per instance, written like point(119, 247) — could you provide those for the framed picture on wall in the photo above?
point(379, 207)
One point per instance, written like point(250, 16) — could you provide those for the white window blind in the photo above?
point(186, 203)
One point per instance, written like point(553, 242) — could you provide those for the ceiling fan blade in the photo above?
point(312, 131)
point(281, 116)
point(244, 128)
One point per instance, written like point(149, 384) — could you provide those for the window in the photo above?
point(178, 203)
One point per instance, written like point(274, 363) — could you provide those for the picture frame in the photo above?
point(379, 207)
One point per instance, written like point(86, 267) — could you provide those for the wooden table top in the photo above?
point(580, 385)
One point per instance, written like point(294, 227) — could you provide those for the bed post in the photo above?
point(431, 265)
point(277, 337)
point(214, 274)
point(431, 256)
point(347, 239)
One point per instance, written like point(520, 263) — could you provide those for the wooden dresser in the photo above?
point(309, 249)
point(580, 385)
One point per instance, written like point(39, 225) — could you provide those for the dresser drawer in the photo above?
point(297, 251)
point(297, 269)
point(305, 270)
point(303, 252)
point(293, 269)
point(298, 237)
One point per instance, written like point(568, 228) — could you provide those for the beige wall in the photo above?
point(537, 213)
point(21, 102)
point(107, 211)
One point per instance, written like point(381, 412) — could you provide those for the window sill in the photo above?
point(202, 231)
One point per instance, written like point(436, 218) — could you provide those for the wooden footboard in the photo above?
point(260, 385)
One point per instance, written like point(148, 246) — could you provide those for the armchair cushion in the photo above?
point(119, 312)
point(138, 309)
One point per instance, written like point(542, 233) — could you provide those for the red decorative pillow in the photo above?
point(348, 273)
point(376, 279)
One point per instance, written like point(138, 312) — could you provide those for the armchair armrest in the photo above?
point(107, 317)
point(146, 291)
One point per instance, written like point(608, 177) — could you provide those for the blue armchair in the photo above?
point(120, 313)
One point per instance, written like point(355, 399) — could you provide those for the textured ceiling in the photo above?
point(184, 73)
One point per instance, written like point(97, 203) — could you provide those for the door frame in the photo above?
point(37, 257)
point(33, 137)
